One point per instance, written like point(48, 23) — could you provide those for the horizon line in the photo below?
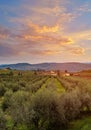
point(43, 62)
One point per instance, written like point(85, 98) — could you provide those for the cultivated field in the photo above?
point(33, 101)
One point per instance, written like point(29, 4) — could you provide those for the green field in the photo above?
point(31, 101)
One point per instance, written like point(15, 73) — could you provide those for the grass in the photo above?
point(81, 124)
point(60, 88)
point(46, 83)
point(53, 81)
point(9, 124)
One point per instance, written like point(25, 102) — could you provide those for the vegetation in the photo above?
point(31, 101)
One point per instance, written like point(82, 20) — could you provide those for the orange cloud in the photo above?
point(66, 41)
point(46, 52)
point(47, 38)
point(3, 36)
point(82, 35)
point(43, 34)
point(77, 51)
point(52, 52)
point(44, 29)
point(33, 38)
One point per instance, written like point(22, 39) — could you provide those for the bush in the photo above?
point(19, 107)
point(71, 105)
point(44, 111)
point(2, 89)
point(2, 121)
point(6, 102)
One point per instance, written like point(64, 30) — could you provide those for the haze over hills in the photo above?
point(70, 66)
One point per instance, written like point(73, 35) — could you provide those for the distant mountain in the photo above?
point(70, 66)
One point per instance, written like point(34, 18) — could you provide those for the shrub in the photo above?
point(2, 121)
point(2, 89)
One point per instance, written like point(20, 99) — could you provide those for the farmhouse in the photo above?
point(66, 74)
point(50, 72)
point(53, 73)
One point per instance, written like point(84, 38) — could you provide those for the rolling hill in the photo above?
point(70, 66)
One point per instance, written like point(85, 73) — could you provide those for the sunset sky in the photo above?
point(36, 31)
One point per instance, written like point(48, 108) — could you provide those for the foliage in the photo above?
point(32, 101)
point(2, 120)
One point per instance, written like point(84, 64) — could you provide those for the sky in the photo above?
point(36, 31)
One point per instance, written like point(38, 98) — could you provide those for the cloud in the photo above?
point(4, 32)
point(48, 3)
point(81, 35)
point(46, 29)
point(53, 11)
point(43, 29)
point(46, 52)
point(77, 50)
point(38, 28)
point(28, 40)
point(84, 8)
point(7, 50)
point(46, 38)
point(34, 33)
point(46, 12)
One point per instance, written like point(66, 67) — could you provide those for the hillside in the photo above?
point(70, 66)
